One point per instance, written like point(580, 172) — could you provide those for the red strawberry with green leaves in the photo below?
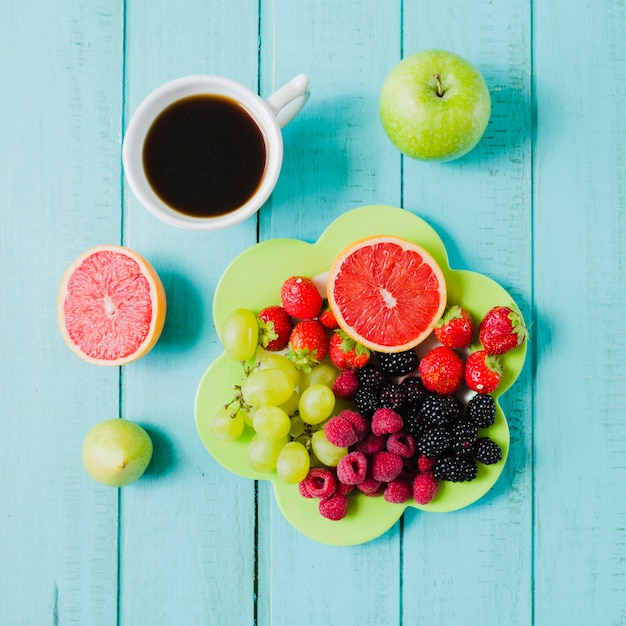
point(441, 370)
point(327, 317)
point(483, 371)
point(502, 329)
point(456, 328)
point(308, 344)
point(346, 353)
point(275, 327)
point(301, 298)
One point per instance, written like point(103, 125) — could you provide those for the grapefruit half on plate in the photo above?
point(386, 293)
point(111, 306)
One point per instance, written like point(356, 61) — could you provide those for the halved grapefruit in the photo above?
point(387, 293)
point(111, 305)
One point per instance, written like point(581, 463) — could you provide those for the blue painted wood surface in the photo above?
point(539, 205)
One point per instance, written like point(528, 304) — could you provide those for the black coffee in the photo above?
point(204, 155)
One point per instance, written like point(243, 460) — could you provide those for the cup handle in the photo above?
point(287, 101)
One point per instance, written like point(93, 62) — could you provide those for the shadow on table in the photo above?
point(163, 457)
point(185, 313)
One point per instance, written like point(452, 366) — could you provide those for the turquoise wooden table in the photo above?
point(539, 206)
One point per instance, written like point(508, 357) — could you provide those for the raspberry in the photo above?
point(320, 483)
point(402, 444)
point(371, 444)
point(441, 410)
point(352, 468)
point(398, 363)
point(481, 409)
point(434, 442)
point(371, 376)
point(344, 489)
point(414, 390)
point(425, 487)
point(397, 491)
point(487, 451)
point(392, 396)
point(303, 488)
point(425, 464)
point(456, 469)
point(370, 486)
point(345, 385)
point(366, 401)
point(335, 507)
point(386, 466)
point(340, 432)
point(385, 421)
point(360, 424)
point(463, 437)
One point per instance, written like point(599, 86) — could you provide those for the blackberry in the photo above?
point(487, 451)
point(414, 390)
point(392, 396)
point(434, 442)
point(371, 376)
point(481, 409)
point(366, 400)
point(412, 421)
point(398, 363)
point(440, 410)
point(463, 435)
point(455, 469)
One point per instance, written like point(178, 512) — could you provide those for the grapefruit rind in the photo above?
point(386, 292)
point(155, 294)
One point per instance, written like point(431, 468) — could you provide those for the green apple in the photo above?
point(116, 452)
point(434, 106)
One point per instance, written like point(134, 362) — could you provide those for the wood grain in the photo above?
point(579, 250)
point(539, 206)
point(61, 115)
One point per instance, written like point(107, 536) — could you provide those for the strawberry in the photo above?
point(308, 344)
point(483, 372)
point(275, 327)
point(501, 330)
point(327, 317)
point(301, 298)
point(346, 353)
point(456, 328)
point(441, 370)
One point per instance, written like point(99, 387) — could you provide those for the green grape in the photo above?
point(262, 454)
point(240, 334)
point(291, 406)
point(297, 426)
point(326, 452)
point(279, 361)
point(226, 424)
point(293, 463)
point(271, 422)
point(322, 374)
point(268, 387)
point(316, 403)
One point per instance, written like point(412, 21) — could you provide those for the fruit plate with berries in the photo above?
point(349, 444)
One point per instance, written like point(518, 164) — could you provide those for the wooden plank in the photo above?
point(580, 248)
point(475, 565)
point(331, 165)
point(188, 529)
point(60, 119)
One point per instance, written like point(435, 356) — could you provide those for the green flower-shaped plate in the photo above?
point(253, 281)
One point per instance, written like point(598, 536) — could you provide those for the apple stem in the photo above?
point(439, 85)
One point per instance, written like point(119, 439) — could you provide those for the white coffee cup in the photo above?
point(270, 116)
